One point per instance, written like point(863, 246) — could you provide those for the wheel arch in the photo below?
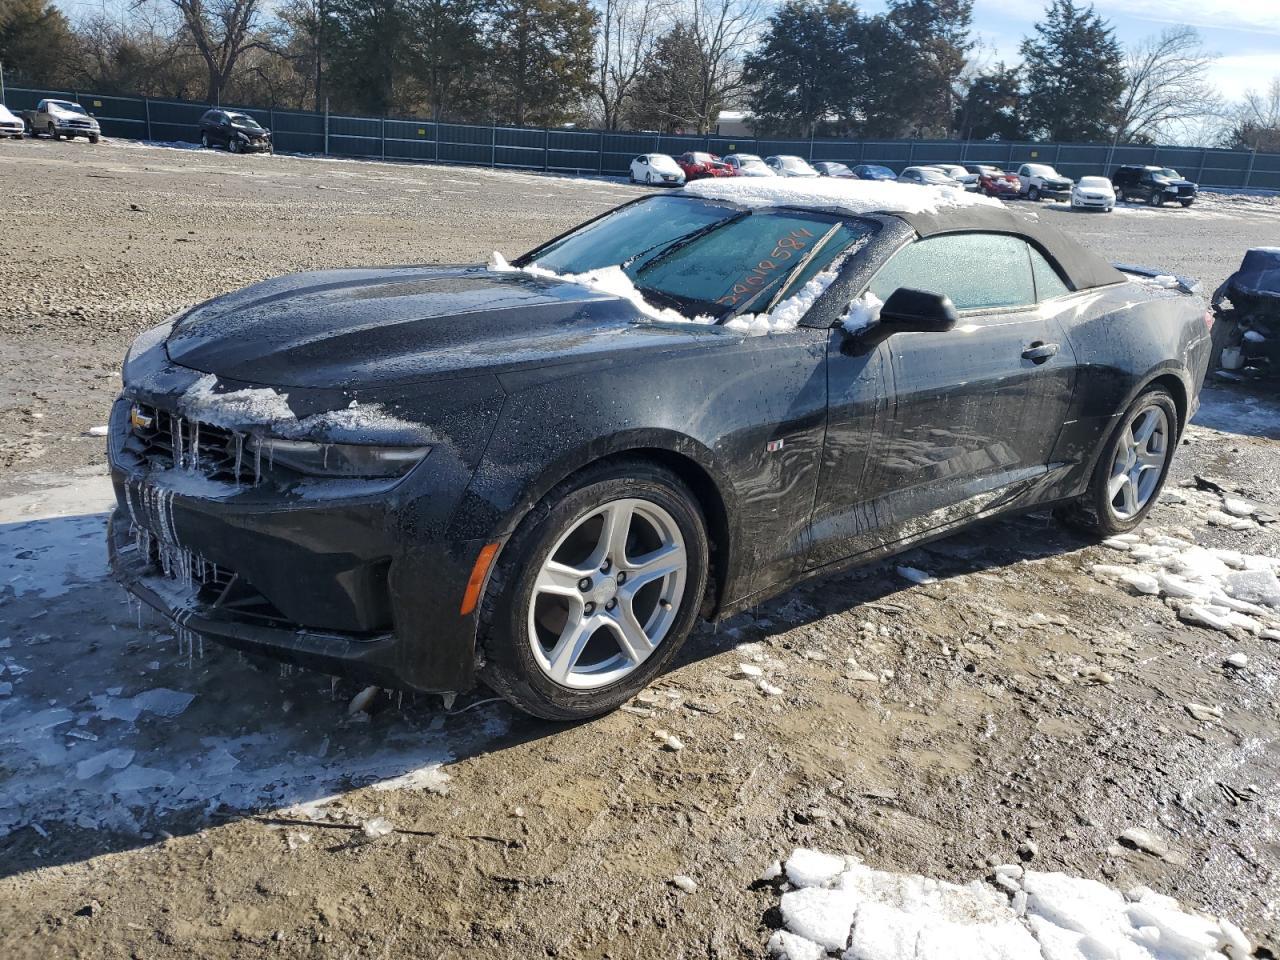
point(688, 459)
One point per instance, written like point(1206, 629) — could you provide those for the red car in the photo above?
point(698, 165)
point(993, 181)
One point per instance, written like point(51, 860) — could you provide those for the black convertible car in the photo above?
point(540, 475)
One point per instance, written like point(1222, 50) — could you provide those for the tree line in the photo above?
point(797, 69)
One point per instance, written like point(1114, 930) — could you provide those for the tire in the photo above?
point(53, 132)
point(93, 138)
point(204, 141)
point(1096, 512)
point(648, 178)
point(1033, 194)
point(1186, 203)
point(525, 619)
point(233, 145)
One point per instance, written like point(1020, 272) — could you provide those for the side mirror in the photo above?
point(918, 311)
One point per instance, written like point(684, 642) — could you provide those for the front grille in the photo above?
point(166, 440)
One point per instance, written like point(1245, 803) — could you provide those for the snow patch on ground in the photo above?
point(1208, 586)
point(52, 539)
point(844, 196)
point(842, 907)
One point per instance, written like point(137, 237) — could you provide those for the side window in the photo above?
point(1048, 283)
point(978, 271)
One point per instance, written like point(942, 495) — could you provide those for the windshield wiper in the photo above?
point(682, 242)
point(790, 278)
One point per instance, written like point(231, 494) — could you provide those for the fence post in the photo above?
point(493, 146)
point(146, 106)
point(1204, 155)
point(911, 151)
point(383, 130)
point(326, 126)
point(811, 144)
point(271, 125)
point(600, 156)
point(546, 149)
point(1248, 174)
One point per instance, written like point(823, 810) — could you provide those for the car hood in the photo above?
point(358, 328)
point(251, 131)
point(1174, 182)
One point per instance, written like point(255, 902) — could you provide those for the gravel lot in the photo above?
point(925, 728)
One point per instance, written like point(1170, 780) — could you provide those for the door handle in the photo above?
point(1039, 352)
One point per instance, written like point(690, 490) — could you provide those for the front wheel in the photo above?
point(233, 145)
point(204, 141)
point(93, 138)
point(1034, 194)
point(1131, 469)
point(595, 592)
point(53, 132)
point(1186, 203)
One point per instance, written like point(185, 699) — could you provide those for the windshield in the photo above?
point(660, 161)
point(747, 158)
point(243, 120)
point(837, 168)
point(1167, 172)
point(1041, 170)
point(879, 171)
point(67, 105)
point(793, 163)
point(1095, 183)
point(706, 258)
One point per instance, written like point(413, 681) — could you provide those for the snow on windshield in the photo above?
point(1095, 183)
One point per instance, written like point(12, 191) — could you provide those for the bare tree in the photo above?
point(625, 41)
point(721, 31)
point(1167, 90)
point(1255, 122)
point(221, 30)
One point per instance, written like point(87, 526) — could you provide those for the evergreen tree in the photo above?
point(992, 107)
point(806, 72)
point(932, 45)
point(367, 44)
point(668, 91)
point(541, 59)
point(1075, 74)
point(36, 43)
point(448, 57)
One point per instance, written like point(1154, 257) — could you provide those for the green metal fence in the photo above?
point(610, 152)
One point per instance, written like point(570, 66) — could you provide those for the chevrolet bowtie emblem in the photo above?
point(139, 420)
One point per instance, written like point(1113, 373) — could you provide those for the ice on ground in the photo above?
point(843, 196)
point(53, 538)
point(1211, 587)
point(916, 575)
point(867, 914)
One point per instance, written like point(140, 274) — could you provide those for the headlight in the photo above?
point(339, 459)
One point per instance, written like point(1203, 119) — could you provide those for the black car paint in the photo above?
point(221, 127)
point(1134, 181)
point(522, 381)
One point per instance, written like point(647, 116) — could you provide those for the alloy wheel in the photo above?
point(1139, 462)
point(608, 594)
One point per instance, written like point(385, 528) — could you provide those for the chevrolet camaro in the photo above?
point(539, 475)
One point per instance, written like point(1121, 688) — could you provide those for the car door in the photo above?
point(927, 429)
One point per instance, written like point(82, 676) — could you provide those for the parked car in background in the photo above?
point(873, 171)
point(534, 491)
point(927, 176)
point(832, 168)
point(697, 165)
point(11, 124)
point(1154, 185)
point(238, 132)
point(960, 174)
point(657, 169)
point(993, 181)
point(1039, 180)
point(1093, 193)
point(748, 165)
point(61, 118)
point(785, 165)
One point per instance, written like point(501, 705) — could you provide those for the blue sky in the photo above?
point(1246, 33)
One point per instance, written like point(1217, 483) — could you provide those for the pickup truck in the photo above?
point(61, 118)
point(1039, 180)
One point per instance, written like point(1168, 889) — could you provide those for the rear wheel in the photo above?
point(1132, 468)
point(1034, 194)
point(595, 592)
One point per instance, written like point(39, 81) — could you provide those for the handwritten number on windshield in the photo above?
point(786, 248)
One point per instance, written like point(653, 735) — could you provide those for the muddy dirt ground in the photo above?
point(160, 801)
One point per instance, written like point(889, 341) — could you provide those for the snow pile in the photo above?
point(863, 313)
point(1207, 586)
point(787, 314)
point(841, 907)
point(842, 196)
